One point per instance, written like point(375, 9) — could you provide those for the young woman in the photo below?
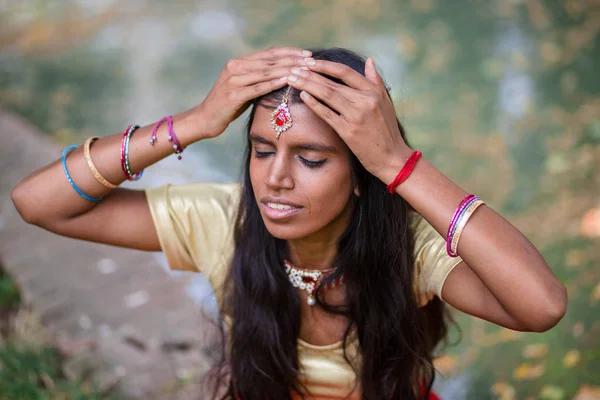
point(333, 261)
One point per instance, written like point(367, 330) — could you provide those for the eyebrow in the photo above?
point(317, 146)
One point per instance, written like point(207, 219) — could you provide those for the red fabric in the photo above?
point(432, 395)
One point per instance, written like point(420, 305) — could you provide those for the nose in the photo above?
point(279, 176)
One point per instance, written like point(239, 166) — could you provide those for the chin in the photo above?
point(286, 231)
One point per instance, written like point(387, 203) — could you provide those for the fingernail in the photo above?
point(283, 78)
point(296, 71)
point(292, 78)
point(306, 53)
point(310, 61)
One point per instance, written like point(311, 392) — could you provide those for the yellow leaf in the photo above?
point(551, 392)
point(528, 371)
point(571, 358)
point(535, 350)
point(503, 390)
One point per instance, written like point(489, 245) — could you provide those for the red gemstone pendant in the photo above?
point(281, 119)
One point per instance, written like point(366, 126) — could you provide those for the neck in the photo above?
point(318, 250)
point(307, 254)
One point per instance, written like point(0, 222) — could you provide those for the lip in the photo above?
point(279, 214)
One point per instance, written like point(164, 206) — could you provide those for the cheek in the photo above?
point(327, 193)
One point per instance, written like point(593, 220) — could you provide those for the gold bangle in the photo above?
point(90, 163)
point(461, 225)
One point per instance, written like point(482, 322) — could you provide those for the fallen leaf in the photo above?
point(535, 350)
point(503, 390)
point(528, 371)
point(571, 358)
point(551, 392)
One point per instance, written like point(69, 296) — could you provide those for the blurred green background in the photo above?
point(501, 95)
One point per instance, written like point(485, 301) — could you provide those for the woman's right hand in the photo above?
point(244, 79)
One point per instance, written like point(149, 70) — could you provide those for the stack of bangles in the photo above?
point(463, 212)
point(125, 165)
point(461, 216)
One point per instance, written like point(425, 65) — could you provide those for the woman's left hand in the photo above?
point(361, 113)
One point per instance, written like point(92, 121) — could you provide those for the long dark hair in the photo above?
point(396, 338)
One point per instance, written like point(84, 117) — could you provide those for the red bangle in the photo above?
point(405, 171)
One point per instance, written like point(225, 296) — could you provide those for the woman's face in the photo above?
point(302, 181)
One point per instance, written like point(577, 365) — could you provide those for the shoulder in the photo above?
point(195, 191)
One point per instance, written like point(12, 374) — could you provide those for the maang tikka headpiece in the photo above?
point(281, 119)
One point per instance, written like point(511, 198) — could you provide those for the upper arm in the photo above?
point(122, 219)
point(464, 291)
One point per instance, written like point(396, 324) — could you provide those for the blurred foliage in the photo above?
point(503, 96)
point(30, 369)
point(35, 373)
point(9, 292)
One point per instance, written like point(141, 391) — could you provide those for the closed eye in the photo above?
point(261, 154)
point(308, 163)
point(311, 163)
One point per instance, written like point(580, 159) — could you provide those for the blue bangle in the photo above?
point(134, 177)
point(64, 164)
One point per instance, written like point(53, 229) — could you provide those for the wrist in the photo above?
point(191, 126)
point(394, 165)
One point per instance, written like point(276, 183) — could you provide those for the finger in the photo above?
point(262, 63)
point(277, 52)
point(326, 93)
point(253, 91)
point(346, 91)
point(342, 72)
point(256, 76)
point(325, 113)
point(372, 74)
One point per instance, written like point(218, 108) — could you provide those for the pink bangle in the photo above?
point(155, 129)
point(177, 148)
point(454, 219)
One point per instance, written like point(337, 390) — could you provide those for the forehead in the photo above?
point(306, 127)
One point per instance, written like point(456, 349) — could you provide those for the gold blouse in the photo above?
point(194, 223)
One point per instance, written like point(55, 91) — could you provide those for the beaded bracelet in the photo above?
point(88, 158)
point(129, 175)
point(73, 185)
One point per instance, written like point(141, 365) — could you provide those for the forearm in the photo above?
point(47, 195)
point(500, 255)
